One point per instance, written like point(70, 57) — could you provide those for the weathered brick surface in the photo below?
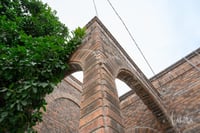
point(180, 89)
point(136, 114)
point(63, 109)
point(141, 130)
point(102, 60)
point(167, 103)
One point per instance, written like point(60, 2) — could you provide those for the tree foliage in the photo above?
point(34, 49)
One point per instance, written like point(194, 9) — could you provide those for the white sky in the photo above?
point(165, 30)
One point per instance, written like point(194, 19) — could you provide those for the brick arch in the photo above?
point(80, 59)
point(57, 94)
point(100, 57)
point(147, 95)
point(64, 117)
point(127, 77)
point(99, 105)
point(64, 96)
point(74, 67)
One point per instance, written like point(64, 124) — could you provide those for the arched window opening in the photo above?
point(78, 75)
point(122, 87)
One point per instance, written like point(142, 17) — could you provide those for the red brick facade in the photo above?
point(180, 91)
point(167, 103)
point(63, 108)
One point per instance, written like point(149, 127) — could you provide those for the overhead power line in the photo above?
point(95, 8)
point(132, 38)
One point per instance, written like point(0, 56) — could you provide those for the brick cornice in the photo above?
point(175, 65)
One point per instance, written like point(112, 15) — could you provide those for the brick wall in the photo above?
point(137, 117)
point(63, 109)
point(179, 87)
point(170, 105)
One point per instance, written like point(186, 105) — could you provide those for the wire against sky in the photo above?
point(132, 38)
point(95, 8)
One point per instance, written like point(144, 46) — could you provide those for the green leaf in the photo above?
point(34, 84)
point(24, 94)
point(44, 84)
point(4, 90)
point(11, 85)
point(1, 119)
point(12, 105)
point(44, 108)
point(24, 103)
point(19, 108)
point(4, 114)
point(34, 48)
point(8, 94)
point(34, 90)
point(27, 86)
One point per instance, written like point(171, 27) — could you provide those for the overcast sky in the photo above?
point(165, 30)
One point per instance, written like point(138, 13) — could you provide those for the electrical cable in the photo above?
point(159, 83)
point(132, 38)
point(95, 8)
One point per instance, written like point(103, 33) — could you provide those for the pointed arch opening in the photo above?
point(122, 87)
point(78, 75)
point(145, 96)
